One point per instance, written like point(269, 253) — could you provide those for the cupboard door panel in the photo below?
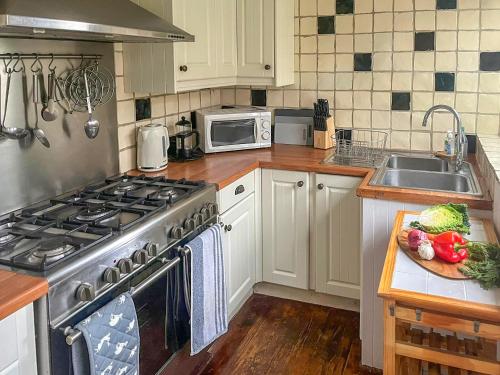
point(255, 19)
point(337, 235)
point(239, 256)
point(285, 223)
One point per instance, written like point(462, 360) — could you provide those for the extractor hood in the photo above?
point(88, 20)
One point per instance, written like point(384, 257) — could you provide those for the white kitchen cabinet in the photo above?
point(265, 42)
point(337, 222)
point(17, 344)
point(235, 40)
point(285, 227)
point(239, 252)
point(210, 61)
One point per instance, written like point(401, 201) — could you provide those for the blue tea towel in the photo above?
point(110, 342)
point(208, 289)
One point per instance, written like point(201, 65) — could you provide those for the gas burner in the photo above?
point(7, 237)
point(92, 213)
point(124, 187)
point(169, 194)
point(54, 248)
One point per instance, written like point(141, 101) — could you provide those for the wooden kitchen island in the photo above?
point(431, 321)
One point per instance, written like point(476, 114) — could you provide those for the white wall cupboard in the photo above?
point(17, 344)
point(237, 42)
point(337, 220)
point(285, 227)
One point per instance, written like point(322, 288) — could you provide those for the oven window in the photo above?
point(233, 132)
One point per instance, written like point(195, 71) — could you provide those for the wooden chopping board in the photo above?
point(436, 265)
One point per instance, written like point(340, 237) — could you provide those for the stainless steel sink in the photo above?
point(417, 163)
point(426, 180)
point(426, 173)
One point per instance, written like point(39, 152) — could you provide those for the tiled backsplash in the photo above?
point(165, 109)
point(383, 63)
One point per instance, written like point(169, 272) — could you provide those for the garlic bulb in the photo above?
point(425, 250)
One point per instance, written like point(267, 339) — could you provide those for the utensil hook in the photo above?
point(21, 68)
point(7, 64)
point(37, 61)
point(52, 67)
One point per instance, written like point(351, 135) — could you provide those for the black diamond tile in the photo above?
point(444, 81)
point(446, 4)
point(424, 41)
point(344, 6)
point(489, 61)
point(259, 98)
point(142, 109)
point(326, 25)
point(362, 62)
point(400, 101)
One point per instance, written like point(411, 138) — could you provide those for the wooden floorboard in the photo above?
point(276, 336)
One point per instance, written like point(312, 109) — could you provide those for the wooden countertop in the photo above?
point(438, 295)
point(17, 291)
point(224, 168)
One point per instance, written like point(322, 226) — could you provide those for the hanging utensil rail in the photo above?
point(49, 56)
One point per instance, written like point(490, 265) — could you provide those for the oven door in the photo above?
point(161, 312)
point(163, 320)
point(233, 134)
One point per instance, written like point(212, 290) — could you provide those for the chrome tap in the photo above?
point(459, 138)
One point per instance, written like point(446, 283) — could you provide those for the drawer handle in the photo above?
point(300, 184)
point(183, 68)
point(239, 190)
point(228, 228)
point(321, 186)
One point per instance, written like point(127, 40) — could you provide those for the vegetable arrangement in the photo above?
point(438, 234)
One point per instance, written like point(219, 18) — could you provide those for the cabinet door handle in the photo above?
point(228, 228)
point(300, 184)
point(321, 186)
point(267, 67)
point(183, 68)
point(239, 190)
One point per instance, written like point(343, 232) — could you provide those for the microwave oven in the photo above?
point(233, 128)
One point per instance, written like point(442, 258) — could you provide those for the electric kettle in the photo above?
point(152, 147)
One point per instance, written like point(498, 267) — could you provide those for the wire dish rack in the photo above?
point(359, 147)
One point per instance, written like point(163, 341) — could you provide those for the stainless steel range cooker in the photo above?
point(122, 234)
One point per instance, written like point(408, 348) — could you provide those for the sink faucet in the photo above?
point(459, 140)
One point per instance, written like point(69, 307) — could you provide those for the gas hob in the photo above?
point(51, 233)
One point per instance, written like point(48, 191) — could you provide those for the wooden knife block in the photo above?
point(325, 139)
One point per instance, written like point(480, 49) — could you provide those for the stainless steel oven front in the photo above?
point(158, 294)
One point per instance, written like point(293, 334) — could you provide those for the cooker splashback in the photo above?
point(29, 172)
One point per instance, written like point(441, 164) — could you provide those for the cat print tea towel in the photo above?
point(110, 342)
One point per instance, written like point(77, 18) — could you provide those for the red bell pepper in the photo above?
point(449, 246)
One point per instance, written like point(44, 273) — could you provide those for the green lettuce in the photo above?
point(443, 218)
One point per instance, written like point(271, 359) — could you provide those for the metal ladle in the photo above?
point(92, 124)
point(12, 133)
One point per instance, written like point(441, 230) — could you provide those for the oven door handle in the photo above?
point(73, 334)
point(155, 276)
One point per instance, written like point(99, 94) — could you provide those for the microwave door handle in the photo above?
point(256, 131)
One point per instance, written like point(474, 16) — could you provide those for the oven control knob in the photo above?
point(198, 219)
point(85, 292)
point(265, 124)
point(205, 212)
point(189, 225)
point(112, 275)
point(214, 209)
point(177, 233)
point(125, 265)
point(140, 257)
point(266, 136)
point(153, 249)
